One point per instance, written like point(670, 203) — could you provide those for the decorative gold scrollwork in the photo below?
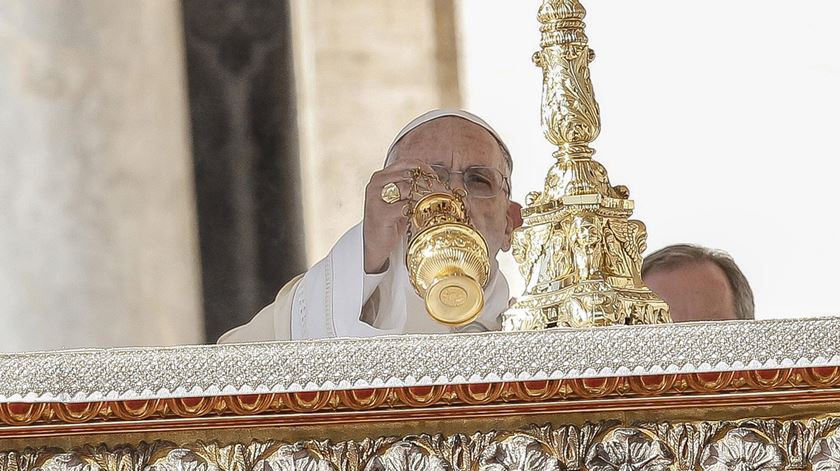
point(628, 448)
point(685, 385)
point(825, 454)
point(578, 249)
point(742, 449)
point(747, 445)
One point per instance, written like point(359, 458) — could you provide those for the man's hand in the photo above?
point(385, 224)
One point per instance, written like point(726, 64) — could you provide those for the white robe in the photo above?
point(336, 298)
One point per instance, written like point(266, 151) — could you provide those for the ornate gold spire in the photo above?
point(578, 249)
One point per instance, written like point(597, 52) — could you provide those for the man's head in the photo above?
point(699, 284)
point(457, 143)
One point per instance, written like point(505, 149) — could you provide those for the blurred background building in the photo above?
point(165, 166)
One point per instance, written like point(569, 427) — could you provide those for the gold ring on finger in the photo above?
point(390, 193)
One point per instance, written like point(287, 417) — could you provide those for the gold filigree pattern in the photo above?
point(447, 259)
point(570, 113)
point(628, 448)
point(517, 452)
point(602, 446)
point(825, 454)
point(742, 449)
point(578, 249)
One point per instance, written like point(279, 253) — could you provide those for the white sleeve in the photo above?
point(273, 322)
point(258, 329)
point(370, 283)
point(329, 300)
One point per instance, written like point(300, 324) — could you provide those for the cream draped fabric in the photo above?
point(335, 298)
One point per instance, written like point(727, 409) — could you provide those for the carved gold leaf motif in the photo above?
point(601, 446)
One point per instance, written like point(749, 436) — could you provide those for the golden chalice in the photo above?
point(447, 259)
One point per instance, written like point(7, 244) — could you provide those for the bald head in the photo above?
point(699, 284)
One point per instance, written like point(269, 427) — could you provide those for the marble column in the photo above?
point(364, 68)
point(97, 221)
point(244, 131)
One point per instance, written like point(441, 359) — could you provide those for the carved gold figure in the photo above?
point(578, 249)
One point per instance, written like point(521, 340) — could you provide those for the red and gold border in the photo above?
point(682, 385)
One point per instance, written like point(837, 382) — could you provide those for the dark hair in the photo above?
point(678, 255)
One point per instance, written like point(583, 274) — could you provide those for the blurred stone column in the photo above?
point(244, 134)
point(364, 69)
point(97, 220)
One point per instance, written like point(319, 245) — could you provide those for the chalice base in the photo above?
point(454, 299)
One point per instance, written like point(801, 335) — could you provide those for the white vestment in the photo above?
point(336, 298)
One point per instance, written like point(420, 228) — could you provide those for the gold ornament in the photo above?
point(578, 249)
point(754, 444)
point(390, 193)
point(447, 259)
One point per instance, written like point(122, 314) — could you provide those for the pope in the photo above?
point(361, 288)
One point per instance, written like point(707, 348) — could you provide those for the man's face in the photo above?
point(695, 291)
point(458, 144)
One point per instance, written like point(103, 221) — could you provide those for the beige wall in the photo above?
point(97, 226)
point(364, 69)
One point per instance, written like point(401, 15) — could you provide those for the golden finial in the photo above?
point(578, 249)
